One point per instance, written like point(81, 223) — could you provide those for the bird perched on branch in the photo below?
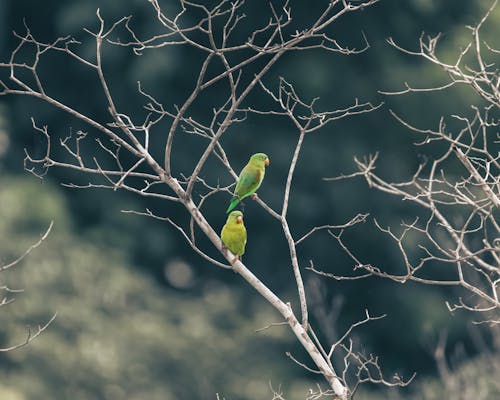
point(234, 234)
point(250, 178)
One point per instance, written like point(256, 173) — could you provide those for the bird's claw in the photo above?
point(225, 249)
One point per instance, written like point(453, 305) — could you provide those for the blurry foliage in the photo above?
point(475, 379)
point(118, 334)
point(93, 240)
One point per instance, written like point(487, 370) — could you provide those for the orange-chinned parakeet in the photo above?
point(250, 178)
point(234, 234)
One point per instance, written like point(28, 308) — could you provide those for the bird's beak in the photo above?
point(239, 219)
point(267, 162)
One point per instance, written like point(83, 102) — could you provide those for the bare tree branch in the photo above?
point(5, 301)
point(29, 250)
point(459, 229)
point(209, 29)
point(31, 335)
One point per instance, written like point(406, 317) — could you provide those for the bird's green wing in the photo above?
point(249, 181)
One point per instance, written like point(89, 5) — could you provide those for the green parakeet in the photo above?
point(250, 178)
point(234, 234)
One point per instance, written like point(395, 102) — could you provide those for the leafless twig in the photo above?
point(210, 30)
point(459, 230)
point(31, 335)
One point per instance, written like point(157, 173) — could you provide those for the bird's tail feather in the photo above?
point(234, 203)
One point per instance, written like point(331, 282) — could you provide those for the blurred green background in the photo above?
point(140, 316)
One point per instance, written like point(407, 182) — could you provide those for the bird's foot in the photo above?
point(254, 196)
